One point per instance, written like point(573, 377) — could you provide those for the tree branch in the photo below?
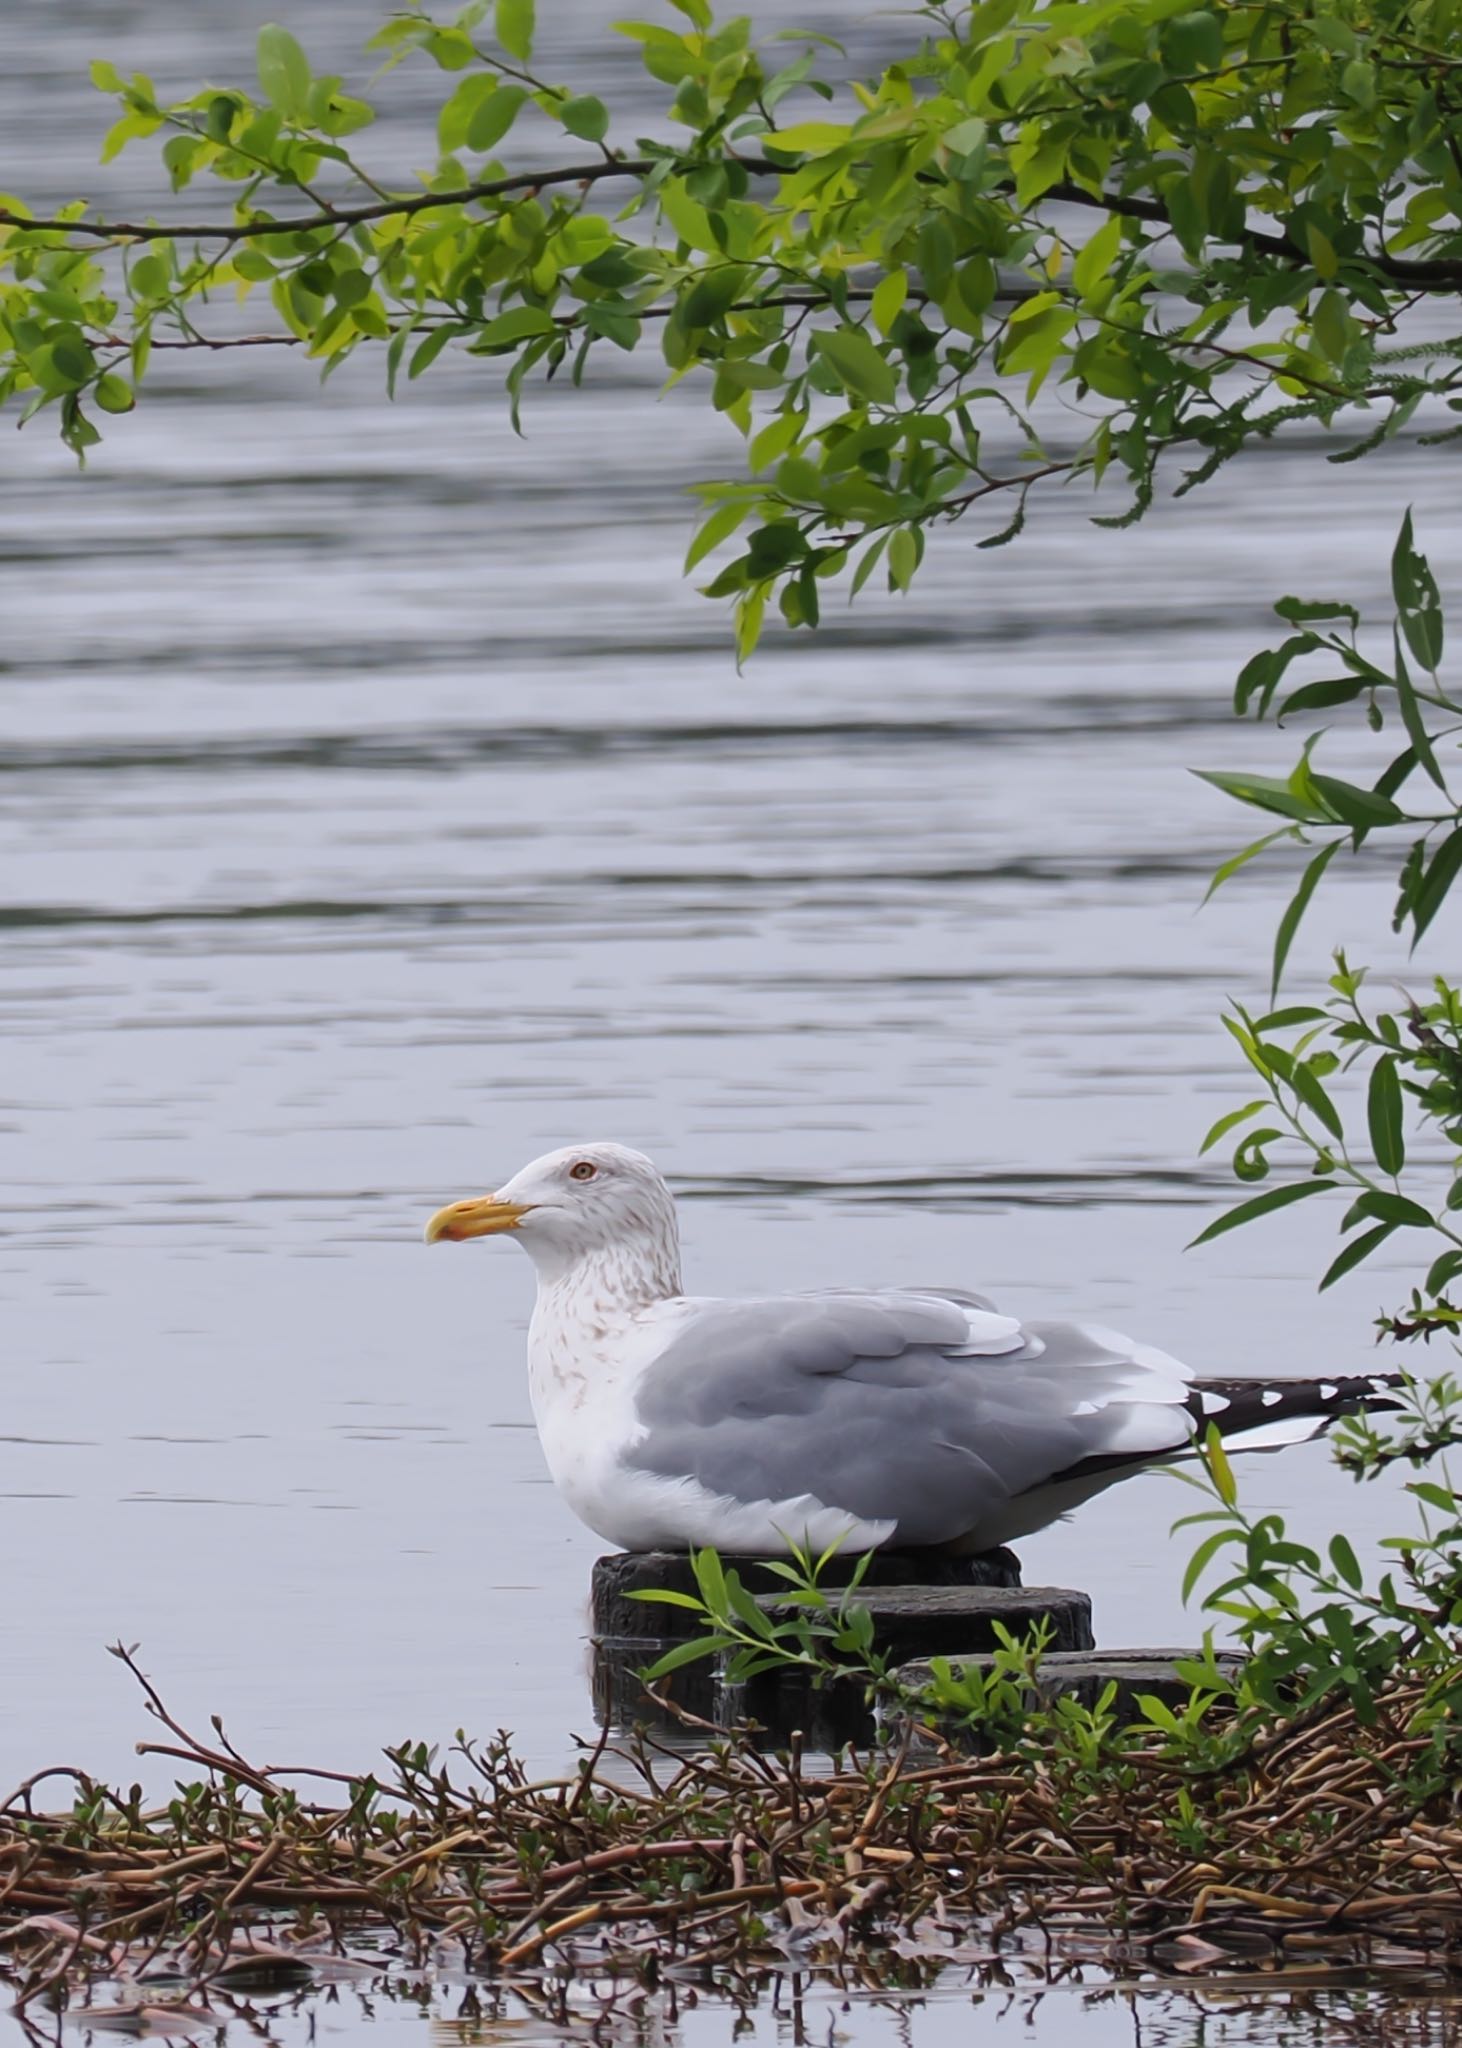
point(1441, 275)
point(352, 216)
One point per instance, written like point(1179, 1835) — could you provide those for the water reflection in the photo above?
point(908, 2003)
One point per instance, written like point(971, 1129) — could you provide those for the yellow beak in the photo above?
point(480, 1217)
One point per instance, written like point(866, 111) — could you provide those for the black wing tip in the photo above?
point(1236, 1405)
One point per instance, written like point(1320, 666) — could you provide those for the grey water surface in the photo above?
point(378, 807)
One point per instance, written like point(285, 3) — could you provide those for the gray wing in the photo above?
point(923, 1408)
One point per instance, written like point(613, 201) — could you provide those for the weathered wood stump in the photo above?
point(616, 1616)
point(1084, 1674)
point(948, 1621)
point(922, 1604)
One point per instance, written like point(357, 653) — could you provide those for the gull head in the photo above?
point(599, 1206)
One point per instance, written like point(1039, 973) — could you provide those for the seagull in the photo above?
point(907, 1417)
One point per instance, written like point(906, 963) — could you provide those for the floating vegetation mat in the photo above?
point(1314, 1856)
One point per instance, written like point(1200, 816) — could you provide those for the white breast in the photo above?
point(583, 1369)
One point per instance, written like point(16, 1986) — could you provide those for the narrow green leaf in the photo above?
point(1227, 1123)
point(665, 1596)
point(1383, 1109)
point(1216, 1458)
point(1204, 1555)
point(1283, 1020)
point(1311, 1091)
point(1261, 1205)
point(1353, 806)
point(1431, 893)
point(1236, 861)
point(1289, 923)
point(1417, 599)
point(721, 524)
point(1396, 1209)
point(1265, 792)
point(710, 1576)
point(1358, 1249)
point(1414, 720)
point(867, 565)
point(687, 1653)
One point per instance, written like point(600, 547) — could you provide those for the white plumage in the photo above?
point(917, 1417)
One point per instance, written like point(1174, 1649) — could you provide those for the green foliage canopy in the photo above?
point(1197, 223)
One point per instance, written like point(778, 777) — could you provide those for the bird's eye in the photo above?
point(585, 1169)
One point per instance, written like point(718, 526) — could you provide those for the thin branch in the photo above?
point(353, 216)
point(809, 301)
point(1426, 275)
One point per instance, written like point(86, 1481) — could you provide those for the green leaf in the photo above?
point(1216, 1459)
point(1417, 599)
point(1264, 792)
point(775, 438)
point(518, 324)
point(1394, 1209)
point(716, 289)
point(1289, 923)
point(284, 72)
point(721, 524)
point(748, 613)
point(1436, 881)
point(515, 23)
point(585, 116)
point(1416, 731)
point(493, 118)
point(889, 296)
point(114, 393)
point(1261, 1205)
point(1204, 1555)
point(1383, 1110)
point(903, 558)
point(1358, 1249)
point(1262, 672)
point(1227, 1123)
point(1320, 696)
point(710, 1576)
point(1235, 861)
point(858, 366)
point(690, 220)
point(867, 565)
point(687, 1653)
point(1310, 1089)
point(1096, 259)
point(1345, 1562)
point(455, 119)
point(1361, 809)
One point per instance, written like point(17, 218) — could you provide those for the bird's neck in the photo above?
point(604, 1286)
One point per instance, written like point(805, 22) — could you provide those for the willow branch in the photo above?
point(257, 225)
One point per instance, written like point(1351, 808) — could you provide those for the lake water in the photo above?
point(378, 808)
